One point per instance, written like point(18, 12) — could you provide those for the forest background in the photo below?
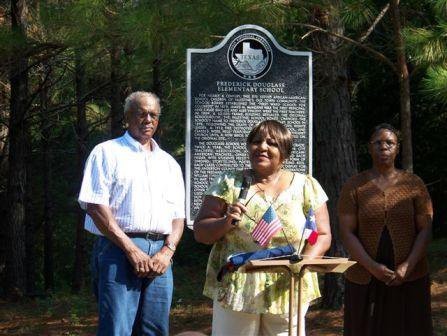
point(66, 67)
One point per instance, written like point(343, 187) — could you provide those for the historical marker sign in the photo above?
point(245, 79)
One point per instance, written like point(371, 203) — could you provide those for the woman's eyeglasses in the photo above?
point(388, 143)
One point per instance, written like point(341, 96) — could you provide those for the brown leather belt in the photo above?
point(147, 235)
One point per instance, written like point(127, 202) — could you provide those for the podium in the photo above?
point(296, 271)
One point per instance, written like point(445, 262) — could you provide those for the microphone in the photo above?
point(246, 182)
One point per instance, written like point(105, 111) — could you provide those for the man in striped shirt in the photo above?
point(134, 196)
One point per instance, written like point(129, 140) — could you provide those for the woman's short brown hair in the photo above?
point(277, 131)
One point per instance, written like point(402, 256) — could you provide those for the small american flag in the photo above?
point(267, 227)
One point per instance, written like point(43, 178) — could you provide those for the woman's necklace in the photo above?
point(274, 182)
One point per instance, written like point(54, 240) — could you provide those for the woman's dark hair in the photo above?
point(277, 131)
point(384, 126)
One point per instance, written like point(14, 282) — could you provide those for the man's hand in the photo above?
point(106, 223)
point(142, 264)
point(161, 260)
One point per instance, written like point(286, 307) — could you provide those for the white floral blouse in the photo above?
point(261, 292)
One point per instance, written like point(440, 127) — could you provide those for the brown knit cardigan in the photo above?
point(395, 208)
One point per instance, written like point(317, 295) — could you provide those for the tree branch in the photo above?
point(374, 24)
point(381, 57)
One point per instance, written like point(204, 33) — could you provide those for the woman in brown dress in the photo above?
point(385, 224)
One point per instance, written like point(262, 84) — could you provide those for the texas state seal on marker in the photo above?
point(250, 56)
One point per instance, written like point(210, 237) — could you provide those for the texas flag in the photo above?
point(310, 229)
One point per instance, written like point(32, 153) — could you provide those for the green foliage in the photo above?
point(427, 45)
point(440, 7)
point(10, 42)
point(435, 84)
point(358, 14)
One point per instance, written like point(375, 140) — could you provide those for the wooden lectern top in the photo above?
point(321, 265)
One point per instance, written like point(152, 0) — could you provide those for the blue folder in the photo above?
point(237, 260)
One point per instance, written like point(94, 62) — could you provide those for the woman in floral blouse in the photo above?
point(257, 303)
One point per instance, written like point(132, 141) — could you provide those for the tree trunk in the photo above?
point(31, 224)
point(15, 260)
point(116, 105)
point(81, 147)
point(157, 88)
point(335, 154)
point(4, 113)
point(48, 268)
point(404, 89)
point(157, 83)
point(31, 231)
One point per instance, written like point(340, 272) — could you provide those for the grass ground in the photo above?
point(66, 314)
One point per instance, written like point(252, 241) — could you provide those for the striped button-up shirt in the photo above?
point(144, 190)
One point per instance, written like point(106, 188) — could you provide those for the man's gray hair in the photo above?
point(131, 99)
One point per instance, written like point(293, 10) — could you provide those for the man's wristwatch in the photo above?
point(171, 246)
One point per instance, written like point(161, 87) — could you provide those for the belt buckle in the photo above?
point(153, 235)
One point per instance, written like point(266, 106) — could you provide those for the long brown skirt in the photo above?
point(379, 310)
